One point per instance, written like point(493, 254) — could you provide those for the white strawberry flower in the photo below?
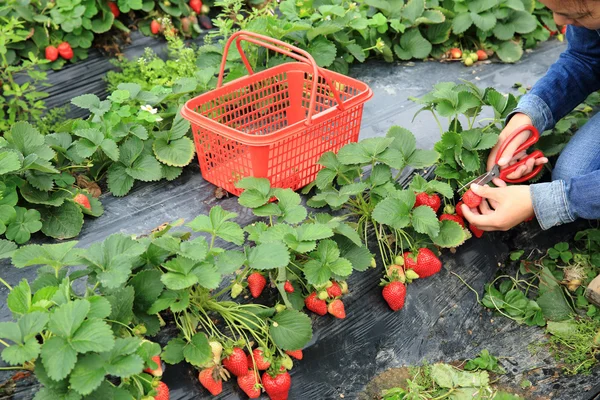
point(149, 108)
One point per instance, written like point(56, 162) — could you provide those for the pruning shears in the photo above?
point(503, 173)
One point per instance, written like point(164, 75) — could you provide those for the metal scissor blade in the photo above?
point(485, 178)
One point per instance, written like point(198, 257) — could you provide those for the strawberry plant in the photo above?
point(362, 178)
point(549, 291)
point(76, 345)
point(18, 102)
point(38, 192)
point(126, 139)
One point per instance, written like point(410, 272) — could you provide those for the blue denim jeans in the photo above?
point(575, 188)
point(574, 191)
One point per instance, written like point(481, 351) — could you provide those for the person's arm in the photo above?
point(561, 202)
point(568, 82)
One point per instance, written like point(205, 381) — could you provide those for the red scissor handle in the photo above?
point(533, 138)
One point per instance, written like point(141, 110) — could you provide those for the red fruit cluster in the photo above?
point(64, 50)
point(246, 368)
point(425, 265)
point(316, 305)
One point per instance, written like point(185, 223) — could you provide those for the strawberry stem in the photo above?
point(6, 284)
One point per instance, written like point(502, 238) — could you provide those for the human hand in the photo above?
point(501, 208)
point(509, 157)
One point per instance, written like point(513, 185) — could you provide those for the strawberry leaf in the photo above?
point(19, 298)
point(121, 303)
point(291, 330)
point(425, 221)
point(173, 351)
point(208, 275)
point(67, 318)
point(197, 352)
point(119, 182)
point(229, 261)
point(392, 212)
point(58, 357)
point(289, 204)
point(88, 374)
point(268, 256)
point(111, 260)
point(99, 306)
point(176, 153)
point(180, 274)
point(62, 222)
point(7, 248)
point(217, 223)
point(18, 354)
point(451, 235)
point(195, 249)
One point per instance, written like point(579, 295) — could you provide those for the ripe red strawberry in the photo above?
point(459, 209)
point(482, 55)
point(316, 305)
point(207, 379)
point(394, 294)
point(262, 364)
point(476, 231)
point(114, 9)
point(427, 263)
point(563, 30)
point(162, 391)
point(288, 287)
point(530, 218)
point(250, 384)
point(297, 354)
point(196, 5)
point(154, 27)
point(471, 199)
point(336, 308)
point(424, 199)
point(83, 200)
point(277, 387)
point(256, 283)
point(334, 290)
point(51, 53)
point(65, 50)
point(236, 362)
point(452, 217)
point(158, 371)
point(456, 53)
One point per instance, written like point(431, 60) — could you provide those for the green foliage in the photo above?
point(440, 381)
point(550, 292)
point(378, 201)
point(33, 175)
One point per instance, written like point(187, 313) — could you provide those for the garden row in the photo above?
point(37, 35)
point(95, 340)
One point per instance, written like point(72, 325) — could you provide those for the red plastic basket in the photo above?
point(275, 123)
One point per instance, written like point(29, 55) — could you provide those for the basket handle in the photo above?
point(285, 49)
